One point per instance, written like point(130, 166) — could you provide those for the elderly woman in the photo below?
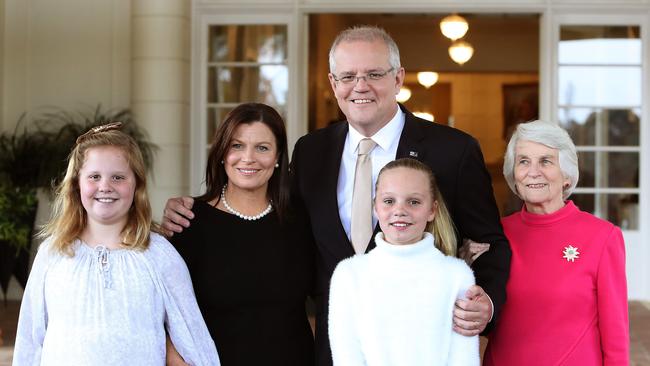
point(567, 296)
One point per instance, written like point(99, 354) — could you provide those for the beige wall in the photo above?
point(477, 107)
point(64, 53)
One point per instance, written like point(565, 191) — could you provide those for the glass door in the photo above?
point(599, 104)
point(246, 63)
point(600, 96)
point(237, 58)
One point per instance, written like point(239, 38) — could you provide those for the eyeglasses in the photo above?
point(369, 78)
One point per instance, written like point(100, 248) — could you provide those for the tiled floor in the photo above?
point(639, 332)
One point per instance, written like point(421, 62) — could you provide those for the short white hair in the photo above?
point(548, 134)
point(366, 33)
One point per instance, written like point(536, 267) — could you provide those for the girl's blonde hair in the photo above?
point(442, 227)
point(68, 218)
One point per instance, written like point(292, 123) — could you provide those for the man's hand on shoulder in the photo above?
point(470, 250)
point(177, 215)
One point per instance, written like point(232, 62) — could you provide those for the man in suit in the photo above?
point(366, 75)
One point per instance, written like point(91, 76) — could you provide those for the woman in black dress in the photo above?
point(249, 255)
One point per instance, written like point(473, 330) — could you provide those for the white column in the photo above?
point(160, 91)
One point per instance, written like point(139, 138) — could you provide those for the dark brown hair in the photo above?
point(215, 172)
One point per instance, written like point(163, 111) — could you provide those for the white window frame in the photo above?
point(204, 18)
point(637, 243)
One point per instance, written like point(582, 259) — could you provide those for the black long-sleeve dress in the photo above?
point(251, 280)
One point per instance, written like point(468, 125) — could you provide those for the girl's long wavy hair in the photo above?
point(442, 226)
point(69, 218)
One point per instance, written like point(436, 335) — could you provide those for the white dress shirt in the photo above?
point(387, 140)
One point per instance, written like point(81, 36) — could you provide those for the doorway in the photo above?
point(497, 88)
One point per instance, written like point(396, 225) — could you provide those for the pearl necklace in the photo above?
point(241, 215)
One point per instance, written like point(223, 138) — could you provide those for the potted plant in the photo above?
point(34, 156)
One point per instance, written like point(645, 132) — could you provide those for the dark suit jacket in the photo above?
point(457, 162)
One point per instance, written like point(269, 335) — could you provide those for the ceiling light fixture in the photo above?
point(427, 78)
point(461, 52)
point(453, 26)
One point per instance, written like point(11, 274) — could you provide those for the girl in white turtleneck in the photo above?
point(394, 305)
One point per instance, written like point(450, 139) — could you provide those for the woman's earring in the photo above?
point(277, 165)
point(221, 162)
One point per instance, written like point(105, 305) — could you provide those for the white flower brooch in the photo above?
point(571, 253)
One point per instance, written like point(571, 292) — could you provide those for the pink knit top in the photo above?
point(567, 292)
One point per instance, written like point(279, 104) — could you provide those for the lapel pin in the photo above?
point(413, 154)
point(571, 253)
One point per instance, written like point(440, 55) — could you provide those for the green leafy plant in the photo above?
point(20, 167)
point(22, 154)
point(21, 164)
point(18, 206)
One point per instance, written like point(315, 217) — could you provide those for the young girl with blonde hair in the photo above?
point(105, 288)
point(394, 305)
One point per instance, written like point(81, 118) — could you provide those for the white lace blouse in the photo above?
point(110, 307)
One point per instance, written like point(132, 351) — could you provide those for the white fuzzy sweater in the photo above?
point(394, 306)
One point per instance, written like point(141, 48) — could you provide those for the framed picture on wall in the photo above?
point(520, 104)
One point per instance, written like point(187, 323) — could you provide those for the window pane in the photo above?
point(624, 211)
point(211, 123)
point(584, 201)
point(599, 86)
point(251, 43)
point(600, 45)
point(617, 127)
point(623, 169)
point(608, 169)
point(586, 162)
point(213, 93)
point(264, 84)
point(215, 117)
point(620, 209)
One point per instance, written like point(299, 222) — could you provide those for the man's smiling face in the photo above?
point(367, 104)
